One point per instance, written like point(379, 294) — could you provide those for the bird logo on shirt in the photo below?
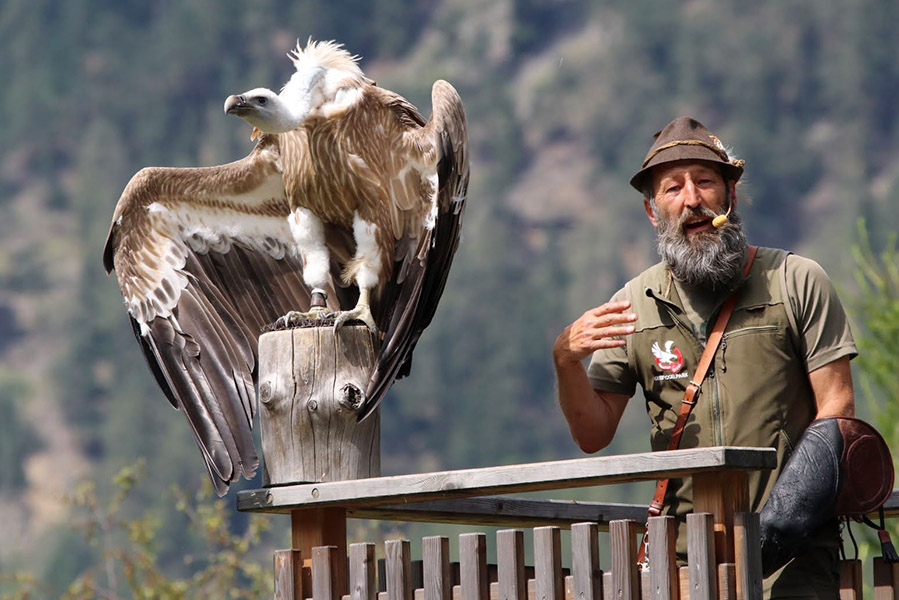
point(670, 359)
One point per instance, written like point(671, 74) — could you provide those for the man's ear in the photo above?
point(733, 192)
point(648, 209)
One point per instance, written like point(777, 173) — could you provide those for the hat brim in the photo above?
point(680, 153)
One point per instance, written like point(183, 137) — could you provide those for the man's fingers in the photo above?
point(606, 343)
point(612, 332)
point(611, 320)
point(610, 307)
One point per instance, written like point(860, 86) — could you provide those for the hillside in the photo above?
point(562, 99)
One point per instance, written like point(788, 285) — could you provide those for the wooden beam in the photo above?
point(499, 511)
point(508, 479)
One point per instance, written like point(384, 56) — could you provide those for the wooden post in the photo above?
point(662, 558)
point(723, 495)
point(510, 565)
point(550, 585)
point(585, 571)
point(625, 584)
point(311, 383)
point(701, 556)
point(748, 552)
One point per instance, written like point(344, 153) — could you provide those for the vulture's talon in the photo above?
point(361, 312)
point(296, 318)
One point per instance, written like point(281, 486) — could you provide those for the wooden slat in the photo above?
point(586, 575)
point(701, 556)
point(727, 581)
point(851, 580)
point(325, 577)
point(548, 563)
point(510, 564)
point(662, 554)
point(507, 479)
point(498, 511)
point(398, 569)
point(625, 578)
point(363, 580)
point(748, 556)
point(473, 566)
point(683, 579)
point(288, 575)
point(645, 584)
point(436, 559)
point(886, 580)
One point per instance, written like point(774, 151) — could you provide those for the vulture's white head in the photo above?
point(327, 82)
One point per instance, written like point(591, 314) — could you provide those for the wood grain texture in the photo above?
point(748, 556)
point(363, 570)
point(701, 556)
point(548, 563)
point(623, 548)
point(663, 584)
point(683, 579)
point(325, 578)
point(320, 526)
point(722, 494)
point(398, 569)
point(437, 584)
point(504, 511)
point(586, 574)
point(507, 479)
point(727, 581)
point(510, 565)
point(886, 580)
point(310, 381)
point(851, 580)
point(473, 566)
point(288, 575)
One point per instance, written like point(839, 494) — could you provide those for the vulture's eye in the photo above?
point(261, 100)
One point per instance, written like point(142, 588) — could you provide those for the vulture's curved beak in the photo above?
point(236, 105)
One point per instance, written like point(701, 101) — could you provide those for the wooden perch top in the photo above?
point(581, 472)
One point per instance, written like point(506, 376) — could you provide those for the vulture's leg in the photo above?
point(360, 312)
point(309, 235)
point(365, 270)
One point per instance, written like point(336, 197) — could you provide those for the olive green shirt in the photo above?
point(824, 328)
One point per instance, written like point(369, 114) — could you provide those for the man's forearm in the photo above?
point(592, 416)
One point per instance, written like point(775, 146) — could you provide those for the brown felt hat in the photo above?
point(686, 138)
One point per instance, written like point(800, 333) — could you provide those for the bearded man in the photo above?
point(783, 360)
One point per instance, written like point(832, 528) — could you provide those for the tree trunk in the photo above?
point(311, 384)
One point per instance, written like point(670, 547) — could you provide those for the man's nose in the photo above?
point(691, 196)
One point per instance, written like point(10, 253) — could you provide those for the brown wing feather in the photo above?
point(420, 278)
point(203, 257)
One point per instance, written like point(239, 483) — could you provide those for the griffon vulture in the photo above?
point(350, 205)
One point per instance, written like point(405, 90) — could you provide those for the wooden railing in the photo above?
point(723, 558)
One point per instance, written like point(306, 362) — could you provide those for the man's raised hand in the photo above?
point(597, 329)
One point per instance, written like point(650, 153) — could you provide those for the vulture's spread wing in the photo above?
point(204, 260)
point(422, 268)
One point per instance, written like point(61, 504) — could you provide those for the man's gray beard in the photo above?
point(711, 259)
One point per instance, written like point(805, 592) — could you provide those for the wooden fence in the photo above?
point(399, 577)
point(723, 558)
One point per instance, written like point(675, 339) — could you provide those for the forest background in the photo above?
point(562, 98)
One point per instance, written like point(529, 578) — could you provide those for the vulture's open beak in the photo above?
point(236, 105)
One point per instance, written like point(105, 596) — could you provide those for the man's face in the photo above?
point(688, 195)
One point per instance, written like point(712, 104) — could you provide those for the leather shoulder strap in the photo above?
point(693, 388)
